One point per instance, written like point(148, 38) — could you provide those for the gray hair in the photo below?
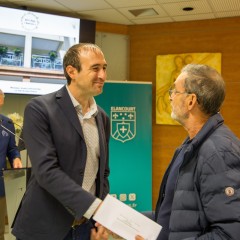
point(207, 84)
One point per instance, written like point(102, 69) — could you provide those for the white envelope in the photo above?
point(125, 221)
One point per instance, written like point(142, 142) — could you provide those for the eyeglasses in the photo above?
point(171, 91)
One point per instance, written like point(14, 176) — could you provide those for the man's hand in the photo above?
point(99, 233)
point(17, 163)
point(139, 238)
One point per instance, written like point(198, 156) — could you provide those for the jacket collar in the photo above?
point(208, 128)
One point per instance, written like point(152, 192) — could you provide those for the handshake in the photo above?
point(120, 221)
point(101, 233)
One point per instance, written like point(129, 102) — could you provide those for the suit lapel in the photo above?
point(66, 105)
point(102, 139)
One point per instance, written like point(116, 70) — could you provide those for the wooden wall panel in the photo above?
point(111, 28)
point(148, 41)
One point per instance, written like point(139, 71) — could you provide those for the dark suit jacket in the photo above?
point(8, 148)
point(57, 150)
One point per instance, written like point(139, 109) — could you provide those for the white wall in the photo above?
point(116, 50)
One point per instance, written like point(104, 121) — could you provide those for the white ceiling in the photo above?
point(117, 11)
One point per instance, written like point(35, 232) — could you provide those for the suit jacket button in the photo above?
point(229, 191)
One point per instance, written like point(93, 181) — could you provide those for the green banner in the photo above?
point(129, 106)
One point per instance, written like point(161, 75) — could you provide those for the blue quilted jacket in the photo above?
point(206, 204)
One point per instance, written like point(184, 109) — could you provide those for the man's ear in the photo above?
point(192, 101)
point(71, 71)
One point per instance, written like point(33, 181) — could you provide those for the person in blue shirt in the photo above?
point(8, 150)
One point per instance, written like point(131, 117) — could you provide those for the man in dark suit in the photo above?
point(65, 131)
point(8, 149)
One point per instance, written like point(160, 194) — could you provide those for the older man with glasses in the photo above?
point(199, 194)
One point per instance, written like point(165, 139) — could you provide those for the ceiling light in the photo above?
point(187, 9)
point(143, 12)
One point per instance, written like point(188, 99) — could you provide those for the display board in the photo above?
point(129, 106)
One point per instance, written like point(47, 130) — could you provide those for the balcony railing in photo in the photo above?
point(11, 59)
point(37, 61)
point(42, 61)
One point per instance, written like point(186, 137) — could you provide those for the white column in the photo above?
point(28, 51)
